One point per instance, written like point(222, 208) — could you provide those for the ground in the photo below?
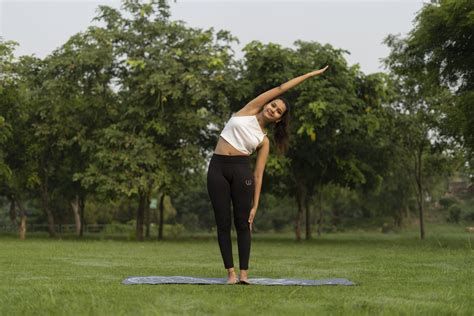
point(396, 274)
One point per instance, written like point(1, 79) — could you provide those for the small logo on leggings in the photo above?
point(248, 182)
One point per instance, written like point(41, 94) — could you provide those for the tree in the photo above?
point(167, 76)
point(79, 75)
point(333, 122)
point(437, 56)
point(17, 159)
point(416, 123)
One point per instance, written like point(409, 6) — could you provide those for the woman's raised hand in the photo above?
point(318, 72)
point(257, 104)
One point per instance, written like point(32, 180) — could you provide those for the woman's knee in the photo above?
point(223, 227)
point(242, 225)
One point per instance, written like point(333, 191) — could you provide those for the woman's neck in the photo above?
point(261, 119)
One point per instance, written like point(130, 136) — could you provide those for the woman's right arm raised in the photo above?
point(254, 106)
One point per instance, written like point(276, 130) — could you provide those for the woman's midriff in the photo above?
point(224, 148)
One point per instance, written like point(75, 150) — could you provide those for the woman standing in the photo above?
point(229, 175)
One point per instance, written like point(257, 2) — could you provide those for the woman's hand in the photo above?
point(318, 72)
point(253, 211)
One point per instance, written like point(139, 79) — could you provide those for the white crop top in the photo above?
point(243, 132)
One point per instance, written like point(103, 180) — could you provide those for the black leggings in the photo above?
point(231, 178)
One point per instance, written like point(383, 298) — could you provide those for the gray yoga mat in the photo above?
point(257, 281)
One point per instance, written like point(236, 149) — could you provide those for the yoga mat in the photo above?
point(256, 281)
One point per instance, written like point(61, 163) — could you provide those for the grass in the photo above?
point(396, 274)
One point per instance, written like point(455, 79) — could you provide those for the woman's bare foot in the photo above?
point(244, 277)
point(231, 277)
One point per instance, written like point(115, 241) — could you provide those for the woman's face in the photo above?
point(274, 110)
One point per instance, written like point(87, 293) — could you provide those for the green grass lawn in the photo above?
point(395, 273)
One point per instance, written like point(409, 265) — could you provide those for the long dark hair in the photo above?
point(281, 130)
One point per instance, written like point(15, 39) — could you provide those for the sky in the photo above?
point(354, 25)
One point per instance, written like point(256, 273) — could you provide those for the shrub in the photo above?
point(279, 224)
point(172, 231)
point(190, 222)
point(446, 202)
point(454, 213)
point(469, 216)
point(116, 228)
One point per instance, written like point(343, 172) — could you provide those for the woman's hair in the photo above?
point(281, 129)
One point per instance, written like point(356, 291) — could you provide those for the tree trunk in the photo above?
point(140, 215)
point(402, 213)
point(12, 211)
point(77, 214)
point(421, 206)
point(420, 210)
point(23, 227)
point(82, 207)
point(399, 217)
point(147, 215)
point(162, 211)
point(22, 224)
point(320, 221)
point(320, 213)
point(299, 216)
point(45, 205)
point(307, 206)
point(418, 175)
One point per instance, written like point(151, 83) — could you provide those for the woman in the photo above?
point(229, 176)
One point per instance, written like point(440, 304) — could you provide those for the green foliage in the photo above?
point(454, 213)
point(427, 96)
point(130, 110)
point(18, 151)
point(164, 92)
point(173, 230)
point(275, 214)
point(437, 58)
point(7, 98)
point(469, 216)
point(193, 206)
point(335, 121)
point(339, 206)
point(446, 202)
point(114, 228)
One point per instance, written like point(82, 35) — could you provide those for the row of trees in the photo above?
point(133, 109)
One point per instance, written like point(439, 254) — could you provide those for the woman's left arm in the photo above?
point(262, 156)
